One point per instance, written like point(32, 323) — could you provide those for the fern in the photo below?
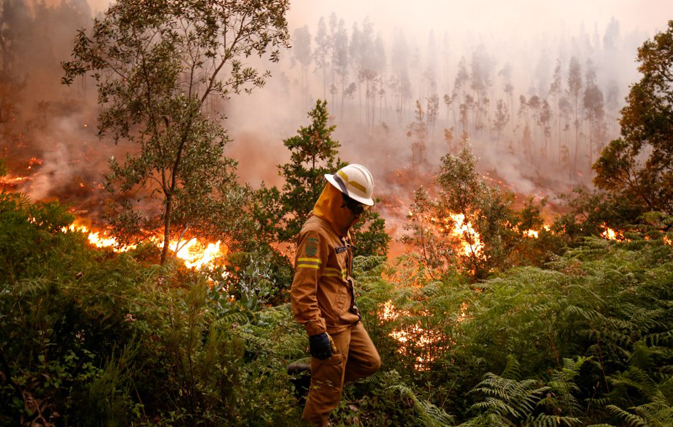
point(544, 420)
point(431, 415)
point(507, 397)
point(563, 387)
point(660, 338)
point(630, 419)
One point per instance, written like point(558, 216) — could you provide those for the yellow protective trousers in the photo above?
point(355, 358)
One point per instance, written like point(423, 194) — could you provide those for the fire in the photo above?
point(531, 233)
point(13, 180)
point(198, 255)
point(98, 240)
point(461, 228)
point(34, 161)
point(388, 312)
point(194, 253)
point(425, 340)
point(668, 241)
point(462, 316)
point(611, 234)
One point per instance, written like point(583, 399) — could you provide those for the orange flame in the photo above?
point(198, 255)
point(531, 233)
point(13, 180)
point(412, 336)
point(611, 234)
point(98, 240)
point(34, 161)
point(461, 228)
point(194, 253)
point(462, 316)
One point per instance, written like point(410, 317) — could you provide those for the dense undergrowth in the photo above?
point(90, 337)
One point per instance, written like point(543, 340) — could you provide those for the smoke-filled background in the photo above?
point(536, 87)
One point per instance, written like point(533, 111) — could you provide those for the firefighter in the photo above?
point(323, 295)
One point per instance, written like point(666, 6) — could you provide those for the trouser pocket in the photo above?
point(326, 384)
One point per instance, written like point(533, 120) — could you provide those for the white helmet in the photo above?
point(355, 181)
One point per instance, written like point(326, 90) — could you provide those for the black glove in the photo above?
point(320, 346)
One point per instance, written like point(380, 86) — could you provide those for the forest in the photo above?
point(145, 281)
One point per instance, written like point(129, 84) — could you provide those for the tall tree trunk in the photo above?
point(167, 229)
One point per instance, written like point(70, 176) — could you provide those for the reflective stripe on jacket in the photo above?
point(322, 291)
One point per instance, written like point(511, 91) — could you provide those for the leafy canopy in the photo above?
point(314, 154)
point(158, 65)
point(639, 165)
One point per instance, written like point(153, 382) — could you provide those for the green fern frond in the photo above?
point(432, 415)
point(507, 396)
point(543, 420)
point(231, 318)
point(636, 378)
point(512, 370)
point(660, 339)
point(630, 419)
point(657, 413)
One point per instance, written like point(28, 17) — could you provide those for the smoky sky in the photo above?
point(419, 48)
point(527, 37)
point(524, 18)
point(521, 17)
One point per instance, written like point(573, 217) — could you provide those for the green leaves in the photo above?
point(638, 165)
point(156, 65)
point(313, 154)
point(472, 226)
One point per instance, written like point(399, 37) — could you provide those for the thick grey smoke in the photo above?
point(499, 72)
point(372, 96)
point(44, 125)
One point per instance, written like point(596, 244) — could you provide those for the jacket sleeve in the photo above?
point(312, 253)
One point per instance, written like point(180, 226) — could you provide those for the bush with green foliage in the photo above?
point(496, 240)
point(90, 337)
point(585, 340)
point(313, 154)
point(638, 166)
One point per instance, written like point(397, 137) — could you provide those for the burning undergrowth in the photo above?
point(193, 252)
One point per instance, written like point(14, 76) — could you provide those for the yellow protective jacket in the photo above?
point(323, 298)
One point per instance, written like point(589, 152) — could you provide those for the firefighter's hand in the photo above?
point(321, 346)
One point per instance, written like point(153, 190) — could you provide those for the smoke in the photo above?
point(386, 56)
point(416, 50)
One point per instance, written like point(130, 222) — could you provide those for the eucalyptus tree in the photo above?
point(638, 166)
point(501, 118)
point(594, 107)
point(481, 65)
point(506, 75)
point(417, 131)
point(301, 53)
point(400, 81)
point(367, 58)
point(574, 88)
point(322, 54)
point(341, 59)
point(158, 66)
point(555, 93)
